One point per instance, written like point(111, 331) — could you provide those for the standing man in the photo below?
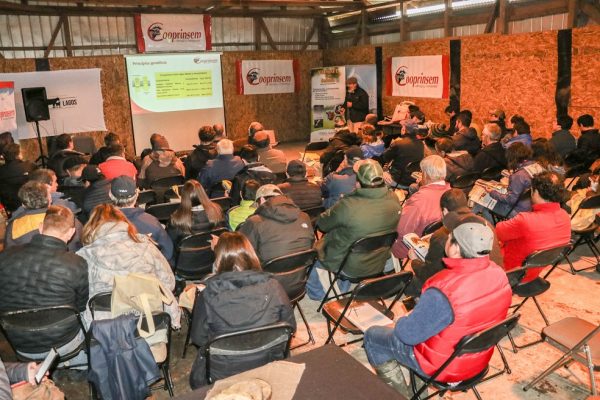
point(356, 104)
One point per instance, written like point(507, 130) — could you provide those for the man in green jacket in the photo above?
point(370, 209)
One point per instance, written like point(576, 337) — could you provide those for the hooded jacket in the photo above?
point(458, 163)
point(278, 228)
point(491, 156)
point(303, 193)
point(589, 141)
point(234, 301)
point(338, 184)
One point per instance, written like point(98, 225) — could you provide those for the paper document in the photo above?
point(365, 316)
point(419, 245)
point(479, 194)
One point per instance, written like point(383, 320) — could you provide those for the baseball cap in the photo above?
point(268, 190)
point(354, 153)
point(498, 113)
point(73, 162)
point(369, 172)
point(91, 173)
point(123, 187)
point(474, 237)
point(296, 167)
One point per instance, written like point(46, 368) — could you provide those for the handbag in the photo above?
point(139, 294)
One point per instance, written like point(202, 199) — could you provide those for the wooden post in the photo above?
point(323, 32)
point(403, 23)
point(502, 21)
point(364, 19)
point(67, 32)
point(447, 14)
point(54, 36)
point(257, 33)
point(573, 8)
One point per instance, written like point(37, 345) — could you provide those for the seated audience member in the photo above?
point(104, 152)
point(493, 154)
point(546, 156)
point(417, 116)
point(224, 167)
point(465, 138)
point(43, 273)
point(238, 214)
point(5, 139)
point(403, 151)
point(24, 222)
point(219, 131)
point(589, 140)
point(373, 145)
point(73, 166)
point(124, 194)
point(203, 152)
point(113, 246)
point(423, 207)
point(546, 226)
point(252, 129)
point(161, 163)
point(562, 139)
point(303, 193)
point(452, 112)
point(584, 218)
point(521, 134)
point(116, 164)
point(454, 200)
point(343, 181)
point(13, 174)
point(97, 189)
point(252, 170)
point(64, 149)
point(458, 162)
point(523, 170)
point(338, 144)
point(196, 213)
point(238, 296)
point(371, 119)
point(48, 177)
point(498, 118)
point(454, 304)
point(372, 208)
point(272, 158)
point(278, 227)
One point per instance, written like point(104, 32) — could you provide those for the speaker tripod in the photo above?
point(42, 159)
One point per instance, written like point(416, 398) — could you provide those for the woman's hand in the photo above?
point(32, 369)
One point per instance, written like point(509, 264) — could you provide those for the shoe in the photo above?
point(391, 373)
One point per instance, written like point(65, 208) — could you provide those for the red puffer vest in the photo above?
point(479, 294)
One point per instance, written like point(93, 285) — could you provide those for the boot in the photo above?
point(391, 373)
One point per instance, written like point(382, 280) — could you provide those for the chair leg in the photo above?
point(537, 304)
point(327, 294)
point(566, 358)
point(167, 377)
point(504, 361)
point(187, 337)
point(512, 343)
point(311, 339)
point(474, 389)
point(590, 365)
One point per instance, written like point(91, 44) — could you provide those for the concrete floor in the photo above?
point(569, 295)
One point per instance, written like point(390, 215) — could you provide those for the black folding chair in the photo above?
point(37, 330)
point(292, 272)
point(413, 166)
point(537, 286)
point(465, 182)
point(216, 190)
point(170, 193)
point(369, 291)
point(492, 174)
point(266, 344)
point(432, 227)
point(194, 257)
point(373, 245)
point(224, 202)
point(314, 146)
point(579, 340)
point(162, 212)
point(100, 302)
point(586, 236)
point(470, 344)
point(167, 183)
point(314, 213)
point(146, 198)
point(573, 173)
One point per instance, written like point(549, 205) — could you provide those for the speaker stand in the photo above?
point(42, 159)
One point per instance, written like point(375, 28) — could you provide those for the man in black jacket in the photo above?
point(589, 141)
point(562, 139)
point(493, 153)
point(44, 273)
point(466, 137)
point(203, 152)
point(97, 190)
point(333, 155)
point(356, 104)
point(13, 175)
point(303, 193)
point(403, 151)
point(64, 149)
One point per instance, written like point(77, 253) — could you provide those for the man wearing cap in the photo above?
point(124, 194)
point(203, 152)
point(370, 209)
point(272, 158)
point(97, 189)
point(278, 227)
point(468, 296)
point(343, 181)
point(356, 104)
point(223, 167)
point(252, 170)
point(116, 164)
point(403, 151)
point(303, 193)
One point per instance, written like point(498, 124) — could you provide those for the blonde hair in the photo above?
point(102, 214)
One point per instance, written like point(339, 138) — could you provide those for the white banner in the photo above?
point(79, 105)
point(328, 90)
point(8, 113)
point(421, 76)
point(173, 32)
point(267, 76)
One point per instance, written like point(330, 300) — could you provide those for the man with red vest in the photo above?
point(471, 294)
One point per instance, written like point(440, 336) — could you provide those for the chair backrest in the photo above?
point(223, 202)
point(316, 146)
point(576, 170)
point(515, 276)
point(262, 345)
point(590, 203)
point(373, 243)
point(195, 258)
point(487, 338)
point(100, 302)
point(170, 193)
point(162, 212)
point(413, 166)
point(37, 330)
point(292, 271)
point(314, 213)
point(166, 183)
point(146, 198)
point(492, 173)
point(382, 287)
point(546, 257)
point(432, 227)
point(465, 181)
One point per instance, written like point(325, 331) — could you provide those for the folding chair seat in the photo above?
point(371, 291)
point(492, 173)
point(579, 340)
point(432, 227)
point(161, 186)
point(162, 212)
point(194, 256)
point(466, 181)
point(470, 344)
point(586, 236)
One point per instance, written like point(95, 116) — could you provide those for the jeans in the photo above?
point(77, 362)
point(314, 287)
point(381, 345)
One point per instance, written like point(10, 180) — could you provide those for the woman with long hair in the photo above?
point(112, 246)
point(239, 296)
point(195, 214)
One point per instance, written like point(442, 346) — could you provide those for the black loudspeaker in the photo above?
point(35, 103)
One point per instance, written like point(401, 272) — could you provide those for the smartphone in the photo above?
point(50, 358)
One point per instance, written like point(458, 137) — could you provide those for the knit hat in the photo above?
point(438, 130)
point(296, 167)
point(474, 237)
point(91, 173)
point(123, 187)
point(369, 172)
point(268, 190)
point(73, 162)
point(160, 143)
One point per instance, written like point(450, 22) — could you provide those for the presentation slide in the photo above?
point(174, 95)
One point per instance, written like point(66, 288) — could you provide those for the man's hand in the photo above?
point(349, 104)
point(32, 369)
